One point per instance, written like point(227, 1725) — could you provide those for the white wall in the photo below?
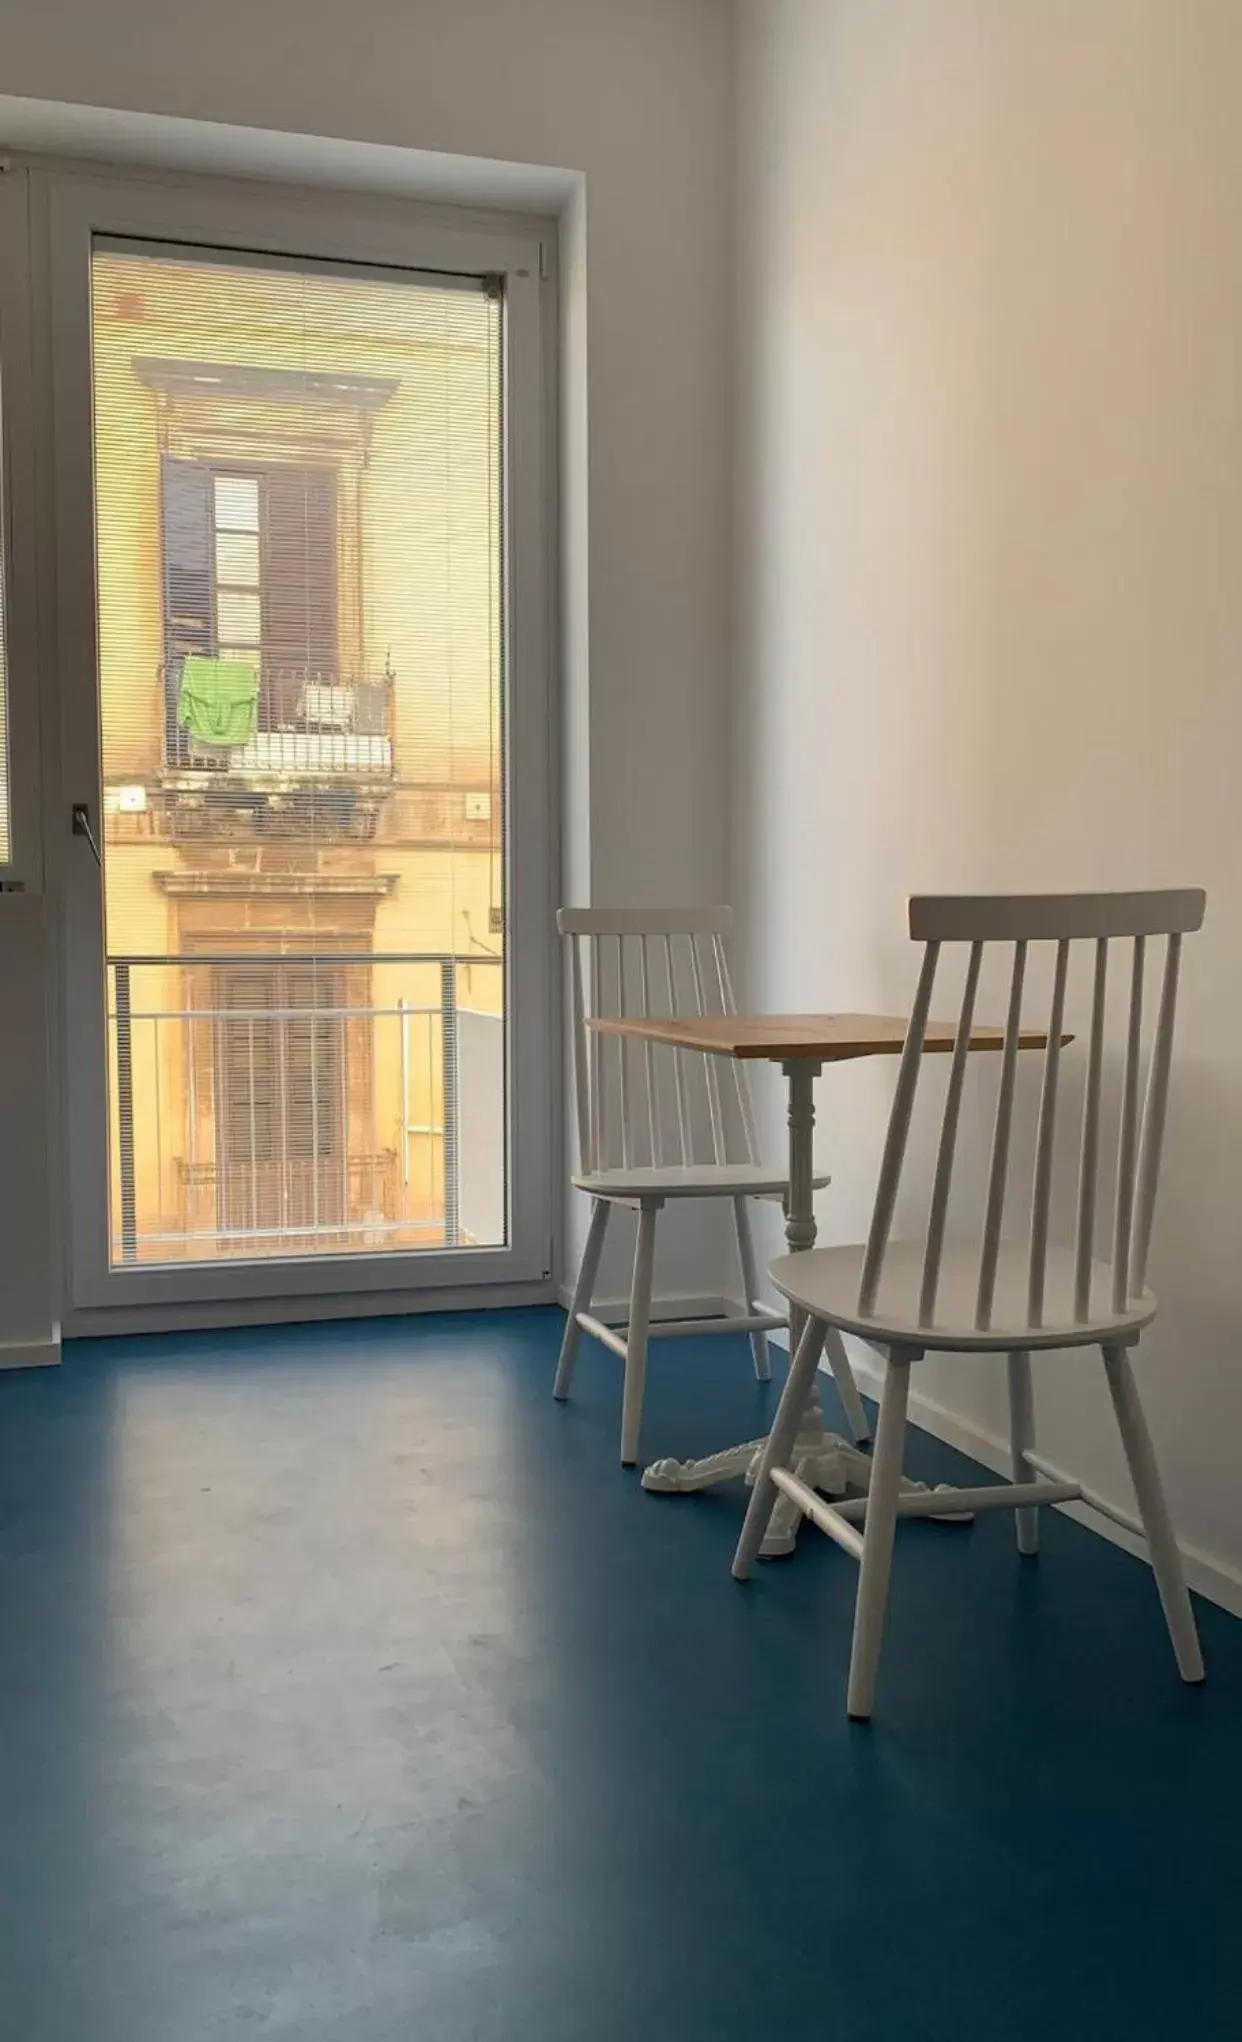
point(29, 1334)
point(991, 501)
point(639, 99)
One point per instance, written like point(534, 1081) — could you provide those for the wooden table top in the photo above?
point(782, 1038)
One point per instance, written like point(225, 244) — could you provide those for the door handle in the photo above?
point(80, 823)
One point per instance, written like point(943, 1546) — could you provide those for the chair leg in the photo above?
point(847, 1388)
point(584, 1291)
point(637, 1332)
point(779, 1445)
point(750, 1286)
point(1021, 1440)
point(877, 1555)
point(1161, 1543)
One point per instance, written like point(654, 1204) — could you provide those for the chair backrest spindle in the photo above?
point(1154, 1111)
point(679, 1065)
point(1127, 1146)
point(998, 1173)
point(741, 1077)
point(597, 1061)
point(898, 1130)
point(644, 994)
point(948, 1141)
point(582, 1080)
point(1088, 1166)
point(1045, 1142)
point(623, 1060)
point(710, 1074)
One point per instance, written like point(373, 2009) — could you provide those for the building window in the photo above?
point(250, 578)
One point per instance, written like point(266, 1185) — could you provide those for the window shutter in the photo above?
point(314, 1063)
point(247, 1068)
point(300, 571)
point(189, 624)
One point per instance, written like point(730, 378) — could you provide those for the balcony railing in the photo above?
point(312, 723)
point(279, 1105)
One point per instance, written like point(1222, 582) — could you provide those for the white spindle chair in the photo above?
point(995, 1294)
point(656, 1123)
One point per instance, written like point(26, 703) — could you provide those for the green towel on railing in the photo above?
point(219, 700)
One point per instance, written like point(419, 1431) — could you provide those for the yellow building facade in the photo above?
point(298, 502)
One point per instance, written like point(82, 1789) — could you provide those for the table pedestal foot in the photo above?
point(680, 1478)
point(823, 1460)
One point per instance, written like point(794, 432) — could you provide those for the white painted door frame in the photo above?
point(68, 207)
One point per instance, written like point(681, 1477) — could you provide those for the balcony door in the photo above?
point(300, 493)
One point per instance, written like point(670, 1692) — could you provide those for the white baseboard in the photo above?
point(43, 1353)
point(210, 1315)
point(615, 1311)
point(1207, 1572)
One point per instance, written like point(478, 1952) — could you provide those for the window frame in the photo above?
point(274, 673)
point(24, 868)
point(386, 234)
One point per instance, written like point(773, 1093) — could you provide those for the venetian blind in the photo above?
point(298, 479)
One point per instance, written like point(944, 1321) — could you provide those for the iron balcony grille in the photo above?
point(269, 1105)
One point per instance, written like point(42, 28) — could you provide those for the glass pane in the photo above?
point(6, 848)
point(301, 678)
point(237, 503)
point(238, 615)
point(237, 558)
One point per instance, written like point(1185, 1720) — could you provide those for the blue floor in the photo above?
point(350, 1692)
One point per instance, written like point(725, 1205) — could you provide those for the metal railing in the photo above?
point(313, 722)
point(276, 1104)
